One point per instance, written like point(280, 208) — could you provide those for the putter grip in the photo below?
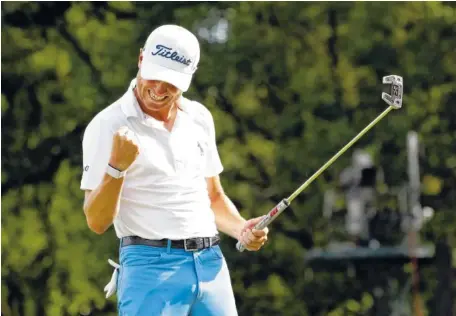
point(267, 219)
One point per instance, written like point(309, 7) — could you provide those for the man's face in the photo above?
point(154, 94)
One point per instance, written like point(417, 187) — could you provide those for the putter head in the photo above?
point(396, 88)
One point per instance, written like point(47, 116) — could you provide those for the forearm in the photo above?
point(227, 217)
point(101, 204)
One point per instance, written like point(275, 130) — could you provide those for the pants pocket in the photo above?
point(131, 256)
point(212, 254)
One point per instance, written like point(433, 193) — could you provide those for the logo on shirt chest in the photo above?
point(200, 147)
point(193, 158)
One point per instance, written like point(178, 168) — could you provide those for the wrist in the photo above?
point(240, 229)
point(115, 165)
point(114, 172)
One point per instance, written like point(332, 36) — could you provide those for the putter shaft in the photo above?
point(337, 155)
point(279, 208)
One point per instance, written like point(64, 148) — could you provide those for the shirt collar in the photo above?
point(130, 107)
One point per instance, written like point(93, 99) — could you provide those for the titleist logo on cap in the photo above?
point(169, 53)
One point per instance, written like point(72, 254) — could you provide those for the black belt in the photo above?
point(191, 244)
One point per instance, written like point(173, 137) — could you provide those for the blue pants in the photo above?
point(167, 281)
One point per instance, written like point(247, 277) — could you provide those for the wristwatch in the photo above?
point(115, 173)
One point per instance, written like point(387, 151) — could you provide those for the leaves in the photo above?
point(288, 85)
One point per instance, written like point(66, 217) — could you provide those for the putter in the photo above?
point(393, 99)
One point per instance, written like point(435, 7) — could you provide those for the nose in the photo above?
point(163, 87)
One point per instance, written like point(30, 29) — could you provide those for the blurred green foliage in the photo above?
point(288, 84)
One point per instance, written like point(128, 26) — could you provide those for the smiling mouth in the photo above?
point(155, 97)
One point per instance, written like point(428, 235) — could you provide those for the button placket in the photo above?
point(178, 144)
point(178, 161)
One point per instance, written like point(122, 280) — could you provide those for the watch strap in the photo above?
point(115, 173)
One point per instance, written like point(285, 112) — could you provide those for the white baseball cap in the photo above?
point(171, 54)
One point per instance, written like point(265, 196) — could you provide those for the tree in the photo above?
point(288, 84)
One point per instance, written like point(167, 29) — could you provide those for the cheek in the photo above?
point(145, 93)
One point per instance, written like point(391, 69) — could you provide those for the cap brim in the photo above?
point(150, 71)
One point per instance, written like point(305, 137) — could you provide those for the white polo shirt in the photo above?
point(164, 193)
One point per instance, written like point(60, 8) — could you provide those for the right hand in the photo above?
point(125, 149)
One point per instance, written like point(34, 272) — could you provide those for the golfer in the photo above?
point(151, 168)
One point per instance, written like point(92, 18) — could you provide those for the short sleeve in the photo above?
point(96, 152)
point(213, 163)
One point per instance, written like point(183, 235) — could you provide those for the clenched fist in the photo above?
point(125, 149)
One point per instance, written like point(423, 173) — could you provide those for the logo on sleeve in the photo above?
point(86, 168)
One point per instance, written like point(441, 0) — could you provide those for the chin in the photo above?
point(157, 107)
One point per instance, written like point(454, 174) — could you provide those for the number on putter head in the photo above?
point(394, 98)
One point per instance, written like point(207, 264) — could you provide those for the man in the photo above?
point(151, 168)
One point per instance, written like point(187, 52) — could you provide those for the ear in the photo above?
point(140, 58)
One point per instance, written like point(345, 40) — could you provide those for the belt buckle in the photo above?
point(190, 249)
